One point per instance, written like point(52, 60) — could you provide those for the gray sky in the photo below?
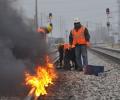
point(91, 11)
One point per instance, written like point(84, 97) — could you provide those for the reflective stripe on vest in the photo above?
point(78, 36)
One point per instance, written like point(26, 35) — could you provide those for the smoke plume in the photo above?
point(20, 47)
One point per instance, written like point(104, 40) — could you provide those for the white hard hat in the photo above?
point(76, 20)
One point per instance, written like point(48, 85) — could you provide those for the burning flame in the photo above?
point(43, 77)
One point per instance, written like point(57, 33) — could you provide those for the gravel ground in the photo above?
point(73, 85)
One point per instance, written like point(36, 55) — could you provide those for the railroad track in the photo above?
point(54, 56)
point(109, 49)
point(112, 54)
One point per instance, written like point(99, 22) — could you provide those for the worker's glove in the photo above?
point(70, 46)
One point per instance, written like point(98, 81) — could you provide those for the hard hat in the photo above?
point(76, 20)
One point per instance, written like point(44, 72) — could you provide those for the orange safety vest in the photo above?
point(66, 46)
point(78, 36)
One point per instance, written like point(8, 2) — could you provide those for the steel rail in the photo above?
point(111, 57)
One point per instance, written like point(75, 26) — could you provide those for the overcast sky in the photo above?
point(91, 11)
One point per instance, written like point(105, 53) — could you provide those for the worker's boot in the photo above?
point(84, 70)
point(71, 65)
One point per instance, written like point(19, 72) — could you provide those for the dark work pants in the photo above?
point(60, 58)
point(81, 55)
point(72, 57)
point(67, 59)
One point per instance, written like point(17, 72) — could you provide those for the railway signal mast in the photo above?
point(108, 20)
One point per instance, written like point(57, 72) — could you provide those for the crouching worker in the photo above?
point(66, 57)
point(61, 52)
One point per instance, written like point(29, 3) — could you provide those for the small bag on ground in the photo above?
point(93, 70)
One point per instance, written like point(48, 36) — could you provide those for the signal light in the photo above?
point(107, 11)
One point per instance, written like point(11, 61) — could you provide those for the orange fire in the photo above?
point(43, 77)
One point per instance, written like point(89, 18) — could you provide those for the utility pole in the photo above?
point(41, 19)
point(118, 17)
point(36, 14)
